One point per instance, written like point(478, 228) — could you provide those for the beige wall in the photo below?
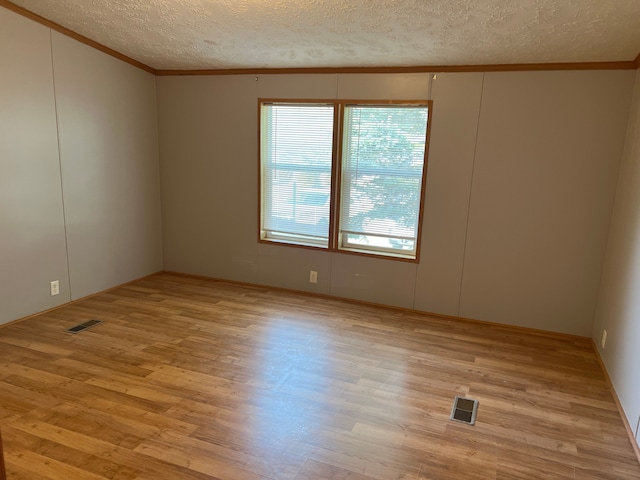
point(79, 173)
point(451, 155)
point(207, 131)
point(619, 301)
point(546, 164)
point(521, 179)
point(32, 237)
point(110, 172)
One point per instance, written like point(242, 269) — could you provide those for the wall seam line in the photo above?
point(64, 212)
point(473, 171)
point(429, 85)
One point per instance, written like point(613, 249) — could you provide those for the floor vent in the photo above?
point(83, 326)
point(464, 410)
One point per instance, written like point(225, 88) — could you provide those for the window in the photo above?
point(296, 153)
point(343, 176)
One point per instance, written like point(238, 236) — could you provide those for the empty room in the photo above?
point(299, 240)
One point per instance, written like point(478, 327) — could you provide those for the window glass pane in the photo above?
point(296, 156)
point(382, 168)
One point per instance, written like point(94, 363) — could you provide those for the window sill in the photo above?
point(349, 251)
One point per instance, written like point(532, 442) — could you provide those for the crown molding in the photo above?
point(515, 67)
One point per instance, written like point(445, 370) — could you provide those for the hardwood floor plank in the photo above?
point(34, 465)
point(194, 457)
point(194, 379)
point(313, 470)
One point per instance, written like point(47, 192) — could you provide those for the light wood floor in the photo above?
point(194, 379)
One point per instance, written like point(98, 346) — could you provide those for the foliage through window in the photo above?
point(358, 188)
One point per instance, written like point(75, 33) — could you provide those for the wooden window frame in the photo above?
point(336, 174)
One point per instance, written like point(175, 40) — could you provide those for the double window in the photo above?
point(343, 175)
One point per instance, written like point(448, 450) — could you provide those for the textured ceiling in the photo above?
point(224, 34)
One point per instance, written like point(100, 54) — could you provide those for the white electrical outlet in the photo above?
point(55, 288)
point(313, 276)
point(603, 340)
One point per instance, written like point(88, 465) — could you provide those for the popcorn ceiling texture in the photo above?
point(222, 34)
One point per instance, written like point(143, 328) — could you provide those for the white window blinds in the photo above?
point(383, 157)
point(377, 180)
point(296, 158)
